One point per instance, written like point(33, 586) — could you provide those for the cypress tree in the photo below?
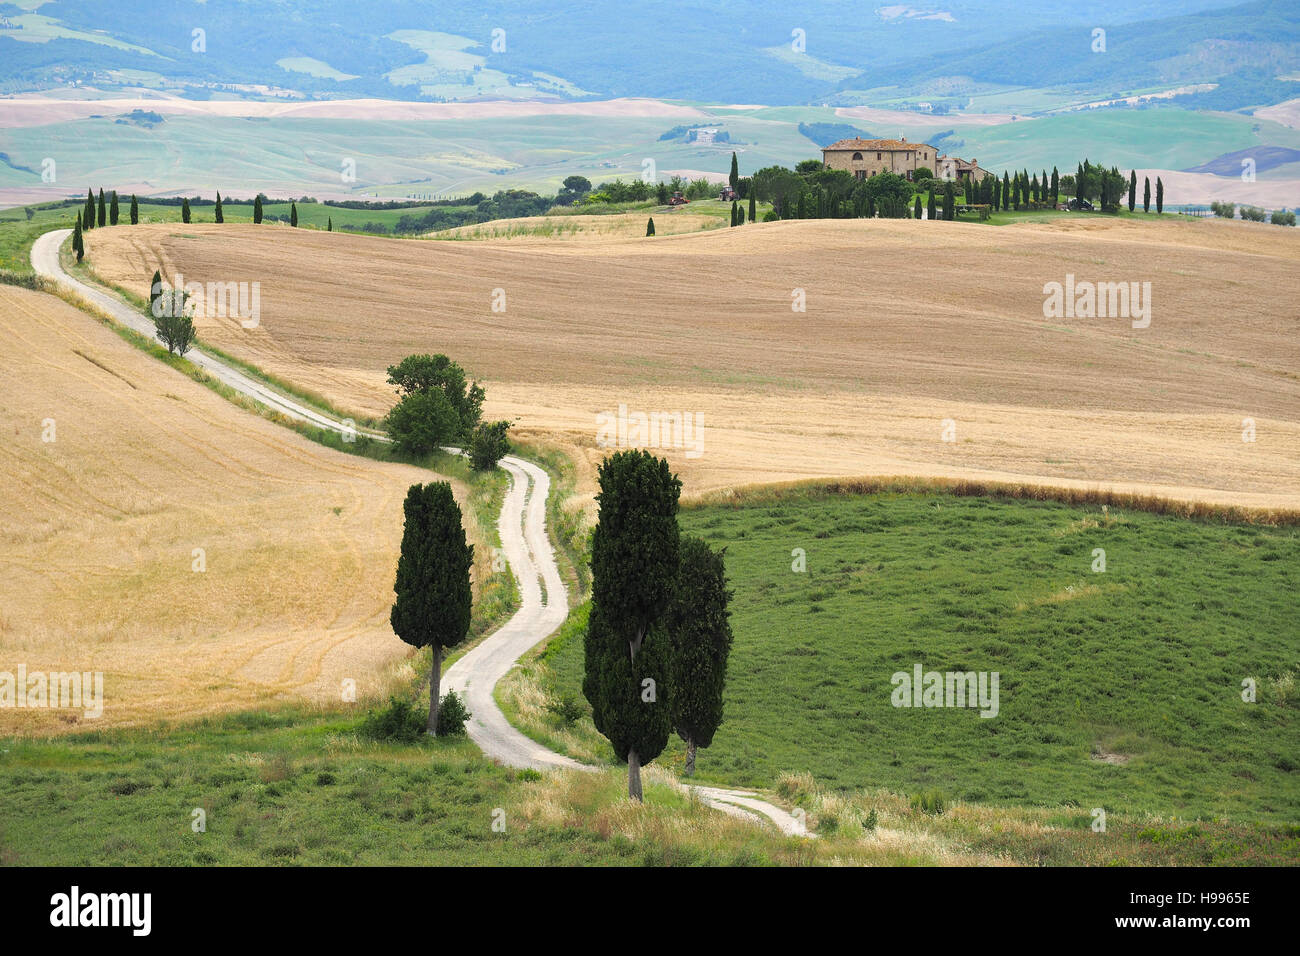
point(1160, 196)
point(257, 209)
point(699, 637)
point(734, 177)
point(78, 246)
point(1146, 195)
point(740, 215)
point(930, 205)
point(218, 216)
point(949, 200)
point(293, 214)
point(916, 213)
point(650, 227)
point(434, 599)
point(1006, 190)
point(88, 214)
point(185, 210)
point(733, 214)
point(1056, 186)
point(135, 211)
point(1132, 189)
point(635, 556)
point(753, 203)
point(329, 226)
point(103, 210)
point(113, 211)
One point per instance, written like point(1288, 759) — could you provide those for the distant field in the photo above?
point(908, 324)
point(298, 543)
point(401, 150)
point(1119, 689)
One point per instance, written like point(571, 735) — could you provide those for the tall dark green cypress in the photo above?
point(1146, 195)
point(78, 245)
point(88, 214)
point(103, 210)
point(930, 207)
point(1132, 189)
point(1006, 190)
point(1056, 186)
point(699, 637)
point(293, 214)
point(1160, 196)
point(635, 558)
point(916, 213)
point(734, 177)
point(113, 211)
point(434, 598)
point(650, 226)
point(753, 202)
point(218, 215)
point(329, 225)
point(135, 211)
point(185, 210)
point(257, 209)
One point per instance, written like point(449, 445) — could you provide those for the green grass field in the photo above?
point(1120, 689)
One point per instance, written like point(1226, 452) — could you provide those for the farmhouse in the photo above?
point(954, 167)
point(866, 157)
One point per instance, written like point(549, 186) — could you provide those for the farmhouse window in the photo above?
point(857, 157)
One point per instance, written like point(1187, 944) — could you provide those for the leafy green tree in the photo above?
point(218, 215)
point(113, 210)
point(185, 210)
point(422, 422)
point(434, 599)
point(428, 373)
point(635, 553)
point(135, 211)
point(171, 319)
point(661, 193)
point(574, 189)
point(88, 214)
point(699, 637)
point(1160, 196)
point(650, 226)
point(488, 445)
point(1146, 195)
point(734, 177)
point(293, 214)
point(257, 209)
point(103, 210)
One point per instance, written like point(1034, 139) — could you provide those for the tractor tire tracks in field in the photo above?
point(543, 598)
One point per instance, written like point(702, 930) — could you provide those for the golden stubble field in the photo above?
point(100, 526)
point(907, 324)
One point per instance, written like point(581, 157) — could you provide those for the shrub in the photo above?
point(452, 714)
point(567, 707)
point(1281, 217)
point(400, 721)
point(770, 216)
point(1224, 210)
point(489, 445)
point(1253, 213)
point(932, 802)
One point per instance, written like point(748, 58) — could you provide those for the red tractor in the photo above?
point(729, 195)
point(677, 199)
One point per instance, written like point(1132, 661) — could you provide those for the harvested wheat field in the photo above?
point(626, 225)
point(907, 324)
point(100, 527)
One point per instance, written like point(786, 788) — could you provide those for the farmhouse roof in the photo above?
point(879, 145)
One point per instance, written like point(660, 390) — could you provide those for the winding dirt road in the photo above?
point(543, 600)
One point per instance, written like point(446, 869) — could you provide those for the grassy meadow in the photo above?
point(1119, 689)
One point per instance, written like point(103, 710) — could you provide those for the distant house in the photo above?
point(865, 158)
point(953, 167)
